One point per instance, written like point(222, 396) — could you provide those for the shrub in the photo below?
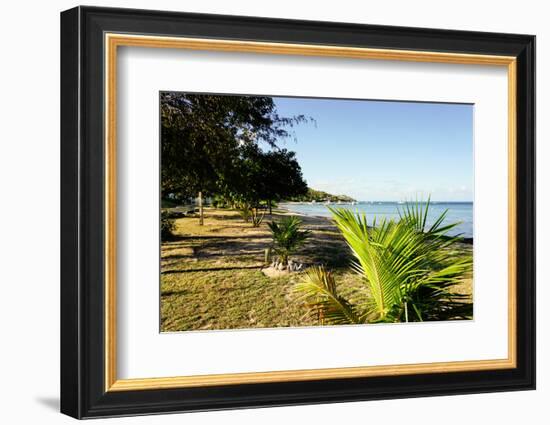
point(244, 210)
point(167, 225)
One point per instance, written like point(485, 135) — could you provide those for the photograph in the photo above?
point(294, 211)
point(275, 209)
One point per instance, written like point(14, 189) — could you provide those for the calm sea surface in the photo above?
point(457, 212)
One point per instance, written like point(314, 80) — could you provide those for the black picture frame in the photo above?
point(83, 392)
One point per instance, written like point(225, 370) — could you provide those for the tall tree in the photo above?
point(256, 175)
point(283, 177)
point(202, 135)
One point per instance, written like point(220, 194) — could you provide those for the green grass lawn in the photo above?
point(211, 275)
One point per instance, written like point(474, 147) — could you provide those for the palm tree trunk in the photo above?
point(270, 212)
point(201, 210)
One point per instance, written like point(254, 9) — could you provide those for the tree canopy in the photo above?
point(257, 175)
point(320, 196)
point(204, 137)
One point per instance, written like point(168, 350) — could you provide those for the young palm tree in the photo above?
point(244, 210)
point(287, 237)
point(406, 267)
point(318, 290)
point(257, 216)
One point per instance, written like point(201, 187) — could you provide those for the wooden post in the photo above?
point(201, 211)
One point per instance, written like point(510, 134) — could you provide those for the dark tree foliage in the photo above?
point(320, 196)
point(283, 176)
point(256, 175)
point(203, 137)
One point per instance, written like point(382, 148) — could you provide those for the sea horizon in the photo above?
point(380, 202)
point(457, 211)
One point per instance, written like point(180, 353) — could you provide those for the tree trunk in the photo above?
point(201, 211)
point(270, 212)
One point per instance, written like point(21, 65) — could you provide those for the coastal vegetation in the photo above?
point(218, 252)
point(166, 225)
point(405, 267)
point(212, 276)
point(287, 237)
point(313, 195)
point(212, 146)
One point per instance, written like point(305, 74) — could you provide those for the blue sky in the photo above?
point(384, 151)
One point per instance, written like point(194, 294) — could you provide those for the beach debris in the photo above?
point(277, 268)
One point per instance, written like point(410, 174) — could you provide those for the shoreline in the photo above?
point(301, 214)
point(308, 220)
point(377, 202)
point(465, 239)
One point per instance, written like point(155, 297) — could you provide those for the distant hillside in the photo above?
point(320, 196)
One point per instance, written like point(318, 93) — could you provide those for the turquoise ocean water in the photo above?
point(457, 212)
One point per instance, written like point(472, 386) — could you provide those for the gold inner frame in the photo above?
point(113, 41)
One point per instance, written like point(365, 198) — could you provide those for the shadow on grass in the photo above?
point(211, 269)
point(230, 249)
point(177, 257)
point(208, 237)
point(170, 293)
point(228, 217)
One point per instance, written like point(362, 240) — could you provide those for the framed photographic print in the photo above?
point(261, 212)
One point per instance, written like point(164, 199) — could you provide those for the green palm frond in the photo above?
point(318, 291)
point(287, 236)
point(405, 264)
point(383, 256)
point(408, 268)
